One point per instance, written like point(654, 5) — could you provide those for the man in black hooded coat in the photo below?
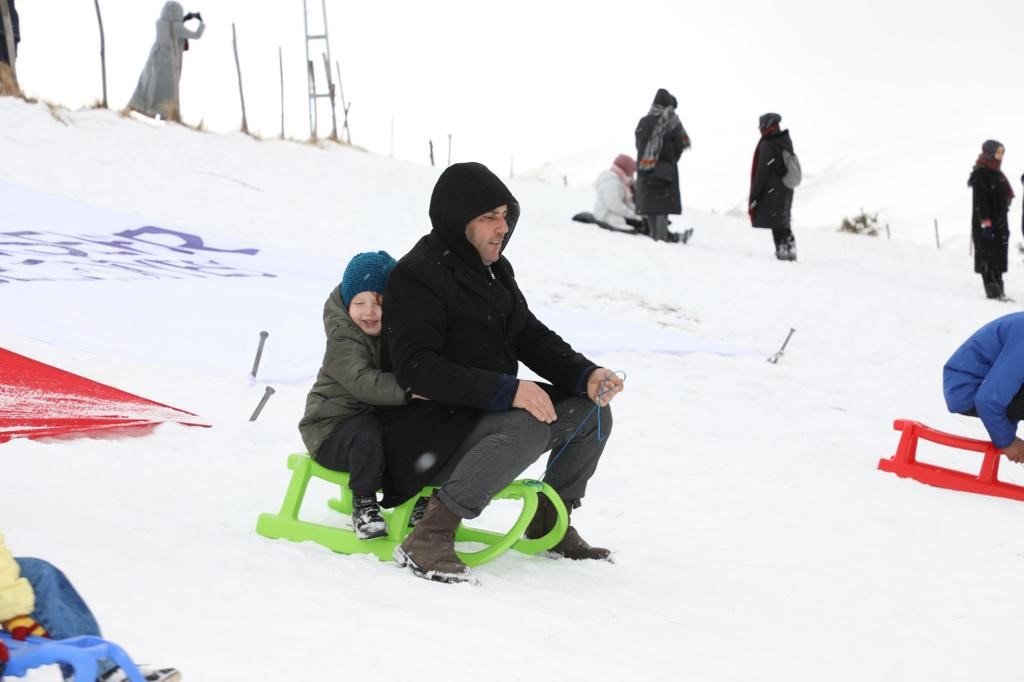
point(456, 326)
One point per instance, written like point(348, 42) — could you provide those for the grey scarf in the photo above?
point(667, 120)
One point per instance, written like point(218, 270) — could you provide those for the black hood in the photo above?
point(782, 139)
point(663, 98)
point(463, 192)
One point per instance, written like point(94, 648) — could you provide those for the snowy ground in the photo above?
point(754, 537)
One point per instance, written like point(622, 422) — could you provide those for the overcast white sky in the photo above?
point(540, 80)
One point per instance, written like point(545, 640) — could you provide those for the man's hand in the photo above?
point(533, 399)
point(1015, 451)
point(603, 385)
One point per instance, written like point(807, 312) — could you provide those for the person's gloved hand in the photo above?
point(190, 15)
point(21, 627)
point(199, 16)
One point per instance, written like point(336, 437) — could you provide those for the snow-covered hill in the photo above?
point(754, 537)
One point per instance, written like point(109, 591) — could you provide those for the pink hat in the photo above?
point(626, 163)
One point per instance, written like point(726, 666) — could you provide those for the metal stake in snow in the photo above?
point(774, 358)
point(259, 353)
point(263, 401)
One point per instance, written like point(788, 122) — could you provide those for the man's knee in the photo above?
point(526, 434)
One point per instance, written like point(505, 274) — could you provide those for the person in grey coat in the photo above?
point(339, 428)
point(157, 91)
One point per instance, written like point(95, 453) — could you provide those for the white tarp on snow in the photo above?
point(63, 261)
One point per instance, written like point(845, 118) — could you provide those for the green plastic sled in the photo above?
point(286, 523)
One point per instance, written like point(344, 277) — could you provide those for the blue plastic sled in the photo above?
point(81, 654)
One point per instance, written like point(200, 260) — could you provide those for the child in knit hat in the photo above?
point(340, 430)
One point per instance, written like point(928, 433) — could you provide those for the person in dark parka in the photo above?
point(15, 29)
point(990, 228)
point(456, 327)
point(660, 141)
point(770, 201)
point(8, 84)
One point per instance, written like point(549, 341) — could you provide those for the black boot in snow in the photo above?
point(786, 250)
point(366, 519)
point(418, 510)
point(572, 545)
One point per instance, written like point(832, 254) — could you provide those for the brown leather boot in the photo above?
point(429, 550)
point(572, 546)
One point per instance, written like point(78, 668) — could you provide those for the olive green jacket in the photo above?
point(350, 382)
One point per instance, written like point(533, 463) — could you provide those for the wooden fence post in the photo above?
point(238, 68)
point(280, 64)
point(103, 52)
point(344, 105)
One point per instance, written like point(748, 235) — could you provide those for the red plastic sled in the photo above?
point(904, 463)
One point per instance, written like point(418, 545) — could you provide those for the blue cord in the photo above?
point(596, 409)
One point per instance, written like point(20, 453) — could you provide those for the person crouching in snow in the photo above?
point(614, 203)
point(340, 429)
point(985, 378)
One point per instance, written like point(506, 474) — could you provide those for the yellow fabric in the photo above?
point(16, 596)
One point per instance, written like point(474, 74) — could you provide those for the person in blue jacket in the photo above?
point(985, 378)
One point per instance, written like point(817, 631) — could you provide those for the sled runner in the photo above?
point(589, 219)
point(986, 482)
point(286, 523)
point(80, 653)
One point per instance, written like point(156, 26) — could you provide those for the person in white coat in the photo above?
point(157, 91)
point(614, 203)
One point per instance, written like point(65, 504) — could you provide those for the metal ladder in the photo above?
point(314, 94)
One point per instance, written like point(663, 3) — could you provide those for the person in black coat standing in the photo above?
point(456, 327)
point(660, 141)
point(990, 227)
point(15, 29)
point(771, 201)
point(8, 84)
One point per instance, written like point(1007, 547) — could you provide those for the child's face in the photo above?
point(364, 309)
